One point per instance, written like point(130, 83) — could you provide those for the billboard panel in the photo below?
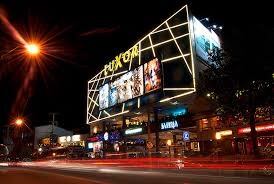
point(113, 94)
point(124, 84)
point(103, 96)
point(205, 40)
point(138, 82)
point(152, 73)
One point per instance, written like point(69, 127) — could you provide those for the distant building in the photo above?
point(46, 133)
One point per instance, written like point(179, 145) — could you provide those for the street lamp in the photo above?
point(19, 122)
point(215, 27)
point(168, 142)
point(207, 19)
point(32, 49)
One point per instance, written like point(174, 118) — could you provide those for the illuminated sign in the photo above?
point(260, 128)
point(186, 136)
point(120, 59)
point(106, 136)
point(90, 145)
point(75, 138)
point(68, 138)
point(62, 139)
point(92, 139)
point(169, 124)
point(206, 41)
point(133, 131)
point(223, 133)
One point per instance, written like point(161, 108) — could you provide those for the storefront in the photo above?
point(265, 138)
point(74, 140)
point(145, 91)
point(102, 143)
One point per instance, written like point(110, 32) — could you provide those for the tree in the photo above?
point(237, 85)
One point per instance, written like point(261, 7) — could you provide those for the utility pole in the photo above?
point(53, 122)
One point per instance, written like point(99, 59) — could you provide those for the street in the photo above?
point(112, 175)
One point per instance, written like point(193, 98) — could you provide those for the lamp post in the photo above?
point(168, 142)
point(32, 49)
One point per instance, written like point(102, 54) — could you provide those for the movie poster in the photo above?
point(124, 84)
point(152, 72)
point(113, 94)
point(103, 96)
point(138, 82)
point(206, 41)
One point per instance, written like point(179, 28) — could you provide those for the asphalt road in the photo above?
point(111, 175)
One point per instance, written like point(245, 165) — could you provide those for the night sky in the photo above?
point(91, 33)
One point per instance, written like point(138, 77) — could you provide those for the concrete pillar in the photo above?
point(148, 133)
point(175, 143)
point(157, 139)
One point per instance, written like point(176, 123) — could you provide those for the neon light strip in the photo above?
point(173, 58)
point(138, 102)
point(98, 93)
point(191, 51)
point(97, 82)
point(133, 131)
point(178, 25)
point(97, 75)
point(130, 63)
point(88, 92)
point(123, 108)
point(110, 116)
point(110, 76)
point(99, 114)
point(178, 47)
point(177, 96)
point(93, 116)
point(259, 128)
point(139, 53)
point(174, 89)
point(164, 42)
point(107, 113)
point(95, 102)
point(151, 45)
point(163, 23)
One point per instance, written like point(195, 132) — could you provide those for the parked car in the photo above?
point(4, 152)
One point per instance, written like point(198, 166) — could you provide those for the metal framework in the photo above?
point(175, 28)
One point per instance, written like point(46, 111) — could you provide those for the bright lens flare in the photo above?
point(32, 49)
point(19, 122)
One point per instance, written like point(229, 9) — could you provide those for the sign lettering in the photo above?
point(133, 131)
point(120, 59)
point(169, 124)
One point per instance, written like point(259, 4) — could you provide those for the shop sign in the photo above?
point(195, 146)
point(133, 131)
point(120, 59)
point(68, 138)
point(260, 128)
point(62, 139)
point(106, 136)
point(93, 139)
point(90, 145)
point(169, 125)
point(149, 145)
point(186, 136)
point(223, 133)
point(76, 138)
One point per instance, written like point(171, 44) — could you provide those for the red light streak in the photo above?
point(259, 128)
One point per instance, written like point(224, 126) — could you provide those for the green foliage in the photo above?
point(232, 90)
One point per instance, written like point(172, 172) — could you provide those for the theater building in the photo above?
point(147, 94)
